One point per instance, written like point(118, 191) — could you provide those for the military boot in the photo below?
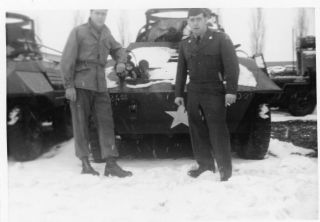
point(113, 169)
point(87, 168)
point(201, 168)
point(225, 173)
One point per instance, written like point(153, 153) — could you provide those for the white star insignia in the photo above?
point(179, 116)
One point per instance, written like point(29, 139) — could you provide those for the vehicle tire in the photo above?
point(253, 143)
point(302, 103)
point(25, 136)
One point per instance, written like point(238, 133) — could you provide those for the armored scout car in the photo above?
point(143, 99)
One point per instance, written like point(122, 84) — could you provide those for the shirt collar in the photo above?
point(204, 37)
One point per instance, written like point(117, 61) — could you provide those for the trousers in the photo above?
point(96, 105)
point(208, 130)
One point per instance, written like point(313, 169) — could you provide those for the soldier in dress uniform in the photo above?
point(209, 58)
point(83, 67)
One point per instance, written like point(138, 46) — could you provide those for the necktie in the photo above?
point(198, 40)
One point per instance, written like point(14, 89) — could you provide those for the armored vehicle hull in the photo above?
point(145, 108)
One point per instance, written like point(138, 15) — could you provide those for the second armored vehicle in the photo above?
point(298, 82)
point(35, 93)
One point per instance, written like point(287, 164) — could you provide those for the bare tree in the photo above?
point(123, 24)
point(257, 31)
point(78, 18)
point(37, 29)
point(302, 23)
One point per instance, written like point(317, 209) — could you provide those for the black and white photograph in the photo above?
point(159, 112)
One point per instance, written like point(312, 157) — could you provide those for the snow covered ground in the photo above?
point(280, 116)
point(282, 186)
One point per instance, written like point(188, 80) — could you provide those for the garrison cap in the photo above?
point(91, 10)
point(197, 11)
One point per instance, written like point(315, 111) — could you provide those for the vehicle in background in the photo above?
point(298, 82)
point(36, 103)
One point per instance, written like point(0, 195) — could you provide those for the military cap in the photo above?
point(197, 11)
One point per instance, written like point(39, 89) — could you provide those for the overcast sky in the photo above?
point(54, 26)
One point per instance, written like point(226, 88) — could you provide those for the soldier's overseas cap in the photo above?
point(105, 10)
point(198, 11)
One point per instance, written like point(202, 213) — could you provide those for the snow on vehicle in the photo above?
point(276, 69)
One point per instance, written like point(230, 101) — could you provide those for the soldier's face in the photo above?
point(198, 24)
point(98, 17)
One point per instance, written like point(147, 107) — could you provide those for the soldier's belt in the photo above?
point(205, 82)
point(90, 62)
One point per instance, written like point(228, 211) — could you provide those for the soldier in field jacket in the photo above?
point(83, 67)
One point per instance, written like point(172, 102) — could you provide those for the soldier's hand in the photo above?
point(120, 67)
point(230, 99)
point(71, 94)
point(179, 101)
